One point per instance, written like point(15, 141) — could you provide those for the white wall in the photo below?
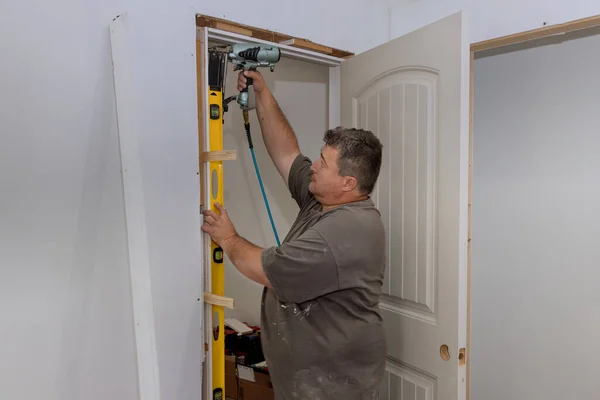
point(66, 323)
point(536, 224)
point(301, 88)
point(489, 18)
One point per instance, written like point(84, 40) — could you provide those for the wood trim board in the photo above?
point(135, 218)
point(546, 31)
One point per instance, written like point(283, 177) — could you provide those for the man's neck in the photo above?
point(327, 207)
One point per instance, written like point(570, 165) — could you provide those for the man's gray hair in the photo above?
point(360, 153)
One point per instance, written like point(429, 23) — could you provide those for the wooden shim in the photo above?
point(219, 155)
point(270, 36)
point(217, 300)
point(307, 44)
point(135, 219)
point(539, 33)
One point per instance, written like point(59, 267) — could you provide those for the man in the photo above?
point(321, 330)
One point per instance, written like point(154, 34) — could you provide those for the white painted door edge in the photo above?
point(135, 219)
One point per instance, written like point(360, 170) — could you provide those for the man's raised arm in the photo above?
point(279, 138)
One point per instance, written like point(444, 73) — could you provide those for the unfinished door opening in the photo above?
point(305, 84)
point(534, 218)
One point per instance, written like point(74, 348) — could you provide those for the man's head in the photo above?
point(348, 167)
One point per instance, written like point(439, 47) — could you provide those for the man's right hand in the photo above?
point(257, 81)
point(279, 138)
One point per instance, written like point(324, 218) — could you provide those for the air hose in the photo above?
point(249, 136)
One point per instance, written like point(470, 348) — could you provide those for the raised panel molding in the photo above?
point(402, 382)
point(400, 108)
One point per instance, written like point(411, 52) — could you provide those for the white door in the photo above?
point(413, 92)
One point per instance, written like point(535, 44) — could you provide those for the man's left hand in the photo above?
point(219, 227)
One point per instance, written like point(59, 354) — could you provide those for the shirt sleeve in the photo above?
point(299, 179)
point(301, 269)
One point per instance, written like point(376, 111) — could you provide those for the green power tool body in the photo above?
point(249, 57)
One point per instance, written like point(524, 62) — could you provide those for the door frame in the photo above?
point(204, 34)
point(507, 43)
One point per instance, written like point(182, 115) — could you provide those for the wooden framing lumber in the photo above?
point(271, 36)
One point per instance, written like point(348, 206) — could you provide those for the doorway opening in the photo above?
point(306, 71)
point(534, 189)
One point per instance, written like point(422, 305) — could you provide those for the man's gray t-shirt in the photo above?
point(322, 333)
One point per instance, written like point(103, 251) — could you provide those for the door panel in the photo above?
point(400, 383)
point(413, 93)
point(403, 104)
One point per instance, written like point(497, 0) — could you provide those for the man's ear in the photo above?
point(350, 183)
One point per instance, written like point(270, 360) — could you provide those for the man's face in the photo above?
point(326, 184)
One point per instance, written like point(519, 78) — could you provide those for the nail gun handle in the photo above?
point(249, 82)
point(246, 96)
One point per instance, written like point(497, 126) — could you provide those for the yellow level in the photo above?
point(215, 131)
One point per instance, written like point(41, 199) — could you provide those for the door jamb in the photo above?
point(503, 41)
point(203, 35)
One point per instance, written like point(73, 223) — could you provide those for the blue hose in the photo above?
point(249, 136)
point(264, 196)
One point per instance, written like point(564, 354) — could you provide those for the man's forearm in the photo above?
point(246, 257)
point(279, 138)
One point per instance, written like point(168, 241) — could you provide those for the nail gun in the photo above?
point(244, 56)
point(247, 57)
